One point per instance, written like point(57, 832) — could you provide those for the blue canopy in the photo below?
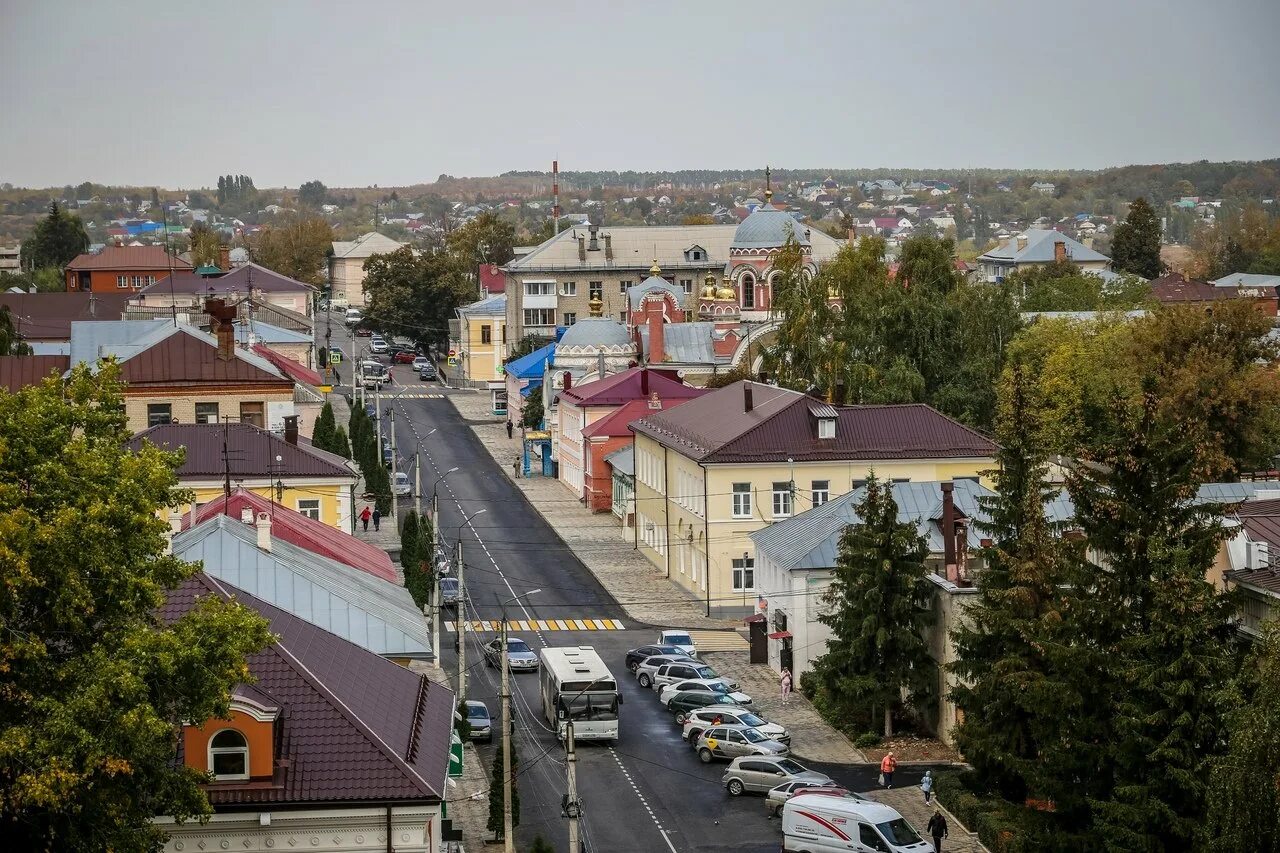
point(531, 387)
point(530, 366)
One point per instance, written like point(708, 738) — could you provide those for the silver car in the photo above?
point(761, 773)
point(481, 722)
point(519, 656)
point(728, 715)
point(730, 742)
point(670, 673)
point(648, 667)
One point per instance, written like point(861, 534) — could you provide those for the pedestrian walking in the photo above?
point(888, 764)
point(377, 518)
point(926, 785)
point(786, 685)
point(515, 466)
point(364, 517)
point(510, 427)
point(938, 829)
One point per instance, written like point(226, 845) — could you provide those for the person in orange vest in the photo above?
point(887, 765)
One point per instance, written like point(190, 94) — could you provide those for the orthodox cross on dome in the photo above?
point(768, 187)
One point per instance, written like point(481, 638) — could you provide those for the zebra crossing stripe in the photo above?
point(479, 626)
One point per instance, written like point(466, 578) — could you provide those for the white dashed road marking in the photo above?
point(626, 774)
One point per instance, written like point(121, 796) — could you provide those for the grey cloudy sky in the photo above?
point(384, 92)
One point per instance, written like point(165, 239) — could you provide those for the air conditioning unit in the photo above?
point(1258, 556)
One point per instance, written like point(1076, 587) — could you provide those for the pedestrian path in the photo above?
point(719, 641)
point(482, 625)
point(909, 802)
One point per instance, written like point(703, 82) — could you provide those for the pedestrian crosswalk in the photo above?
point(719, 641)
point(418, 395)
point(484, 625)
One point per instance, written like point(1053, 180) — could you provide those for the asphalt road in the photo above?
point(648, 791)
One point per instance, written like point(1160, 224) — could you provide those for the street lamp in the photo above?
point(435, 549)
point(462, 611)
point(508, 831)
point(417, 475)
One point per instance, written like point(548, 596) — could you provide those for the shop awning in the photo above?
point(780, 635)
point(757, 617)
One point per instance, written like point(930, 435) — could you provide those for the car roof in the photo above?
point(476, 703)
point(870, 810)
point(772, 759)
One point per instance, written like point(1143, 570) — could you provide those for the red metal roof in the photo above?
point(289, 367)
point(304, 532)
point(1175, 287)
point(184, 358)
point(491, 279)
point(632, 384)
point(241, 279)
point(19, 371)
point(356, 727)
point(48, 316)
point(129, 258)
point(252, 452)
point(616, 423)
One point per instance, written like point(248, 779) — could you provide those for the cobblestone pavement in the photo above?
point(909, 802)
point(812, 736)
point(642, 591)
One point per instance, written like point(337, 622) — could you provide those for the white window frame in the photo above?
point(569, 318)
point(539, 288)
point(623, 285)
point(826, 427)
point(687, 284)
point(229, 750)
point(744, 570)
point(122, 281)
point(306, 506)
point(568, 288)
point(782, 507)
point(742, 500)
point(820, 495)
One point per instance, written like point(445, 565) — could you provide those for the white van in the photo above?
point(353, 316)
point(812, 823)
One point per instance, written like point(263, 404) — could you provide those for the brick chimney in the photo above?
point(1022, 242)
point(657, 349)
point(644, 381)
point(582, 248)
point(608, 247)
point(224, 258)
point(1059, 251)
point(594, 245)
point(291, 429)
point(747, 402)
point(222, 317)
point(263, 526)
point(949, 531)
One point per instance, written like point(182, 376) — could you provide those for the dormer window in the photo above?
point(826, 427)
point(229, 756)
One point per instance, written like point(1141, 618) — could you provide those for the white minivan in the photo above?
point(353, 316)
point(816, 824)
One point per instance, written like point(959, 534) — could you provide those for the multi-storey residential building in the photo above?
point(10, 258)
point(121, 269)
point(1037, 247)
point(478, 347)
point(716, 469)
point(346, 266)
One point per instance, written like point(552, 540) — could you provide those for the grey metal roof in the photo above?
point(1244, 279)
point(269, 334)
point(1039, 249)
point(95, 339)
point(1236, 492)
point(652, 284)
point(355, 605)
point(366, 245)
point(594, 331)
point(685, 343)
point(623, 459)
point(767, 227)
point(493, 305)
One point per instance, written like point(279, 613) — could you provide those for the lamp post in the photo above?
point(435, 552)
point(508, 831)
point(417, 476)
point(462, 611)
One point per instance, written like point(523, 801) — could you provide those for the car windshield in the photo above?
point(716, 687)
point(448, 584)
point(898, 832)
point(678, 639)
point(477, 712)
point(706, 672)
point(592, 706)
point(753, 736)
point(789, 766)
point(752, 720)
point(517, 646)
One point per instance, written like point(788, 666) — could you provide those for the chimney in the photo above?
point(175, 527)
point(291, 429)
point(582, 248)
point(568, 381)
point(93, 306)
point(1004, 241)
point(600, 365)
point(224, 258)
point(1022, 242)
point(644, 381)
point(594, 245)
point(1059, 252)
point(747, 403)
point(246, 514)
point(264, 531)
point(608, 247)
point(949, 531)
point(657, 350)
point(222, 318)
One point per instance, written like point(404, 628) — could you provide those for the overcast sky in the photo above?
point(382, 92)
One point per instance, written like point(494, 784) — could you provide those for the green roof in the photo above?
point(208, 269)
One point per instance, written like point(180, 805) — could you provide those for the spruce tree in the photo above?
point(496, 791)
point(1135, 247)
point(322, 434)
point(878, 610)
point(410, 557)
point(341, 445)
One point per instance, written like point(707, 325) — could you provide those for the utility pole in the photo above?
point(435, 574)
point(377, 410)
point(572, 809)
point(462, 626)
point(417, 483)
point(508, 830)
point(395, 499)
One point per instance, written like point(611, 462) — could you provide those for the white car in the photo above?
point(683, 670)
point(400, 486)
point(646, 669)
point(378, 345)
point(698, 721)
point(421, 362)
point(714, 686)
point(679, 638)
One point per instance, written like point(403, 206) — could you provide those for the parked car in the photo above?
point(400, 486)
point(670, 673)
point(820, 823)
point(519, 656)
point(404, 356)
point(387, 453)
point(714, 686)
point(378, 345)
point(420, 361)
point(729, 742)
point(448, 592)
point(729, 715)
point(774, 800)
point(649, 667)
point(760, 773)
point(683, 703)
point(352, 317)
point(371, 411)
point(427, 372)
point(481, 722)
point(679, 638)
point(637, 656)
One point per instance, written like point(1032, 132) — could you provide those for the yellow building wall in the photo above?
point(330, 497)
point(483, 361)
point(183, 407)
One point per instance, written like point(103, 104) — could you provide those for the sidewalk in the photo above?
point(909, 802)
point(388, 537)
point(629, 577)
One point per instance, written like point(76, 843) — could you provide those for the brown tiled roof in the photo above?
point(354, 726)
point(186, 359)
point(632, 384)
point(1268, 579)
point(783, 425)
point(128, 258)
point(252, 452)
point(260, 309)
point(48, 316)
point(19, 371)
point(1175, 287)
point(241, 280)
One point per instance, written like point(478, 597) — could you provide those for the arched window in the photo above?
point(747, 288)
point(229, 756)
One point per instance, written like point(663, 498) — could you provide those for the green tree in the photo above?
point(1243, 811)
point(495, 823)
point(487, 239)
point(312, 194)
point(411, 558)
point(10, 342)
point(205, 245)
point(57, 239)
point(297, 249)
point(532, 414)
point(541, 845)
point(877, 608)
point(415, 295)
point(322, 434)
point(1135, 247)
point(340, 444)
point(95, 687)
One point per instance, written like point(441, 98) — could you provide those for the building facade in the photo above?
point(346, 266)
point(1037, 247)
point(121, 269)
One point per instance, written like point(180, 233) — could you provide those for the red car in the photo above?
point(404, 356)
point(363, 332)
